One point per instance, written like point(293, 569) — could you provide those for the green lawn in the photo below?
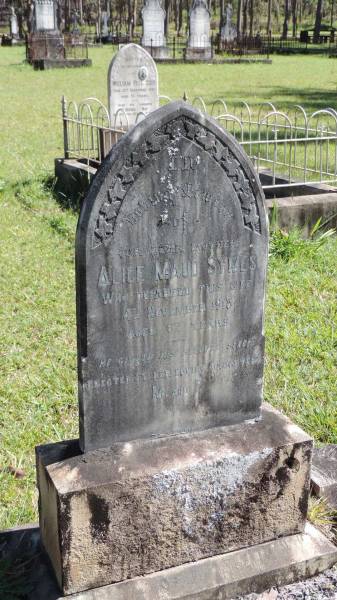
point(37, 296)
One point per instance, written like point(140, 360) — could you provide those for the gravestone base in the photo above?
point(147, 505)
point(158, 52)
point(43, 46)
point(324, 473)
point(43, 64)
point(226, 576)
point(196, 54)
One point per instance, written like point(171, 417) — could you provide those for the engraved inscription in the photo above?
point(174, 262)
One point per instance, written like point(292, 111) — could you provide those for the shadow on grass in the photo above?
point(40, 197)
point(70, 198)
point(310, 99)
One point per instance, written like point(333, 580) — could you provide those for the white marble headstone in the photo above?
point(44, 15)
point(105, 26)
point(132, 85)
point(153, 24)
point(199, 25)
point(14, 27)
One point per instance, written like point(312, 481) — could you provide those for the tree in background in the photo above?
point(125, 15)
point(286, 19)
point(318, 21)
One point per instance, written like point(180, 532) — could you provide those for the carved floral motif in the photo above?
point(181, 127)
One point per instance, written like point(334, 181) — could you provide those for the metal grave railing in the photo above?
point(292, 148)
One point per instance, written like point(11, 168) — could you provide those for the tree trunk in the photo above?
point(180, 16)
point(135, 13)
point(20, 24)
point(167, 17)
point(222, 14)
point(251, 17)
point(286, 18)
point(294, 16)
point(244, 17)
point(300, 11)
point(332, 13)
point(269, 18)
point(276, 10)
point(187, 4)
point(239, 19)
point(120, 20)
point(318, 21)
point(176, 15)
point(99, 18)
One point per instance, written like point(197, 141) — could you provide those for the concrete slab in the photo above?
point(221, 577)
point(304, 211)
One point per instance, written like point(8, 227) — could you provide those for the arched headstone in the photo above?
point(153, 16)
point(199, 42)
point(132, 83)
point(171, 261)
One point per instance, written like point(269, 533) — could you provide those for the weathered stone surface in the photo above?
point(151, 504)
point(324, 473)
point(132, 84)
point(45, 17)
point(224, 576)
point(46, 46)
point(171, 263)
point(199, 36)
point(153, 16)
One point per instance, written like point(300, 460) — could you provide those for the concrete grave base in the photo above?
point(324, 473)
point(255, 569)
point(196, 54)
point(73, 178)
point(148, 505)
point(43, 64)
point(158, 52)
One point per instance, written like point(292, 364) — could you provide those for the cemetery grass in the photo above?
point(37, 293)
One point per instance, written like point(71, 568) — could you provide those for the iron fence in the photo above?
point(88, 133)
point(288, 149)
point(58, 47)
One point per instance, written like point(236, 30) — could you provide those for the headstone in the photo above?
point(45, 15)
point(228, 32)
point(105, 26)
point(199, 43)
point(153, 38)
point(14, 27)
point(180, 462)
point(324, 473)
point(172, 259)
point(45, 44)
point(132, 84)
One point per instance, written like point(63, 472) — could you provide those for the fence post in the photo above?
point(212, 46)
point(174, 48)
point(65, 126)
